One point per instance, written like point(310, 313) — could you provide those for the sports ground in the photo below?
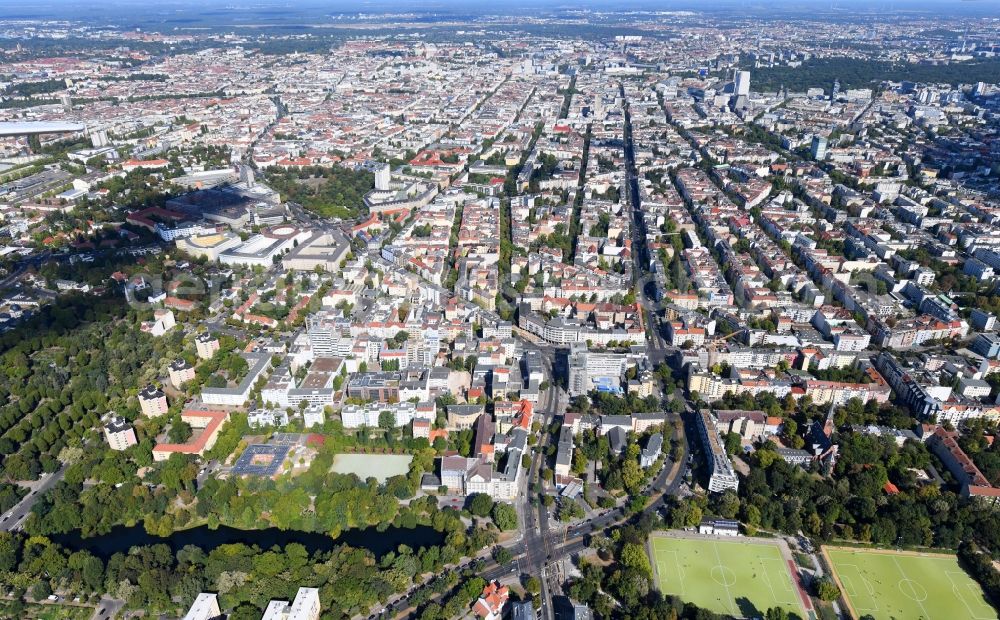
point(897, 584)
point(378, 466)
point(742, 577)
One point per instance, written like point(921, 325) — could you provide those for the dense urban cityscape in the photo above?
point(523, 311)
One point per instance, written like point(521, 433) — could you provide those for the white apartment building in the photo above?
point(313, 415)
point(237, 396)
point(355, 416)
point(180, 372)
point(275, 391)
point(852, 340)
point(163, 321)
point(119, 433)
point(152, 401)
point(206, 345)
point(329, 336)
point(305, 606)
point(182, 230)
point(205, 607)
point(723, 476)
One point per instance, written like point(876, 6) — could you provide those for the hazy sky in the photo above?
point(299, 10)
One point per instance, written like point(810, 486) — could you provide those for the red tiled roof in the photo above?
point(216, 418)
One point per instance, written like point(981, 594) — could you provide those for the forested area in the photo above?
point(314, 500)
point(62, 370)
point(853, 504)
point(331, 191)
point(156, 580)
point(44, 87)
point(860, 73)
point(804, 411)
point(609, 404)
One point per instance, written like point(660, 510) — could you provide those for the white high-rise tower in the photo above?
point(742, 86)
point(382, 177)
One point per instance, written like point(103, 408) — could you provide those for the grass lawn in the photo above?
point(891, 584)
point(738, 577)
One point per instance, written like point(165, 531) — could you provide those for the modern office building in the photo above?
point(265, 248)
point(589, 369)
point(987, 345)
point(982, 321)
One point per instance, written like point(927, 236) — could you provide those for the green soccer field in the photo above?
point(738, 577)
point(889, 584)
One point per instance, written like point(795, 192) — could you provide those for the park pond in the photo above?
point(122, 538)
point(378, 466)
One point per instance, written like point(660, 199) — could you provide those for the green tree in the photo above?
point(480, 504)
point(776, 613)
point(245, 611)
point(8, 551)
point(502, 555)
point(179, 432)
point(733, 443)
point(533, 585)
point(504, 516)
point(41, 590)
point(827, 590)
point(729, 504)
point(633, 555)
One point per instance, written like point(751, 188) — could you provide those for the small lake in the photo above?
point(121, 538)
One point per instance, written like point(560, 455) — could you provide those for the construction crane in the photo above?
point(711, 345)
